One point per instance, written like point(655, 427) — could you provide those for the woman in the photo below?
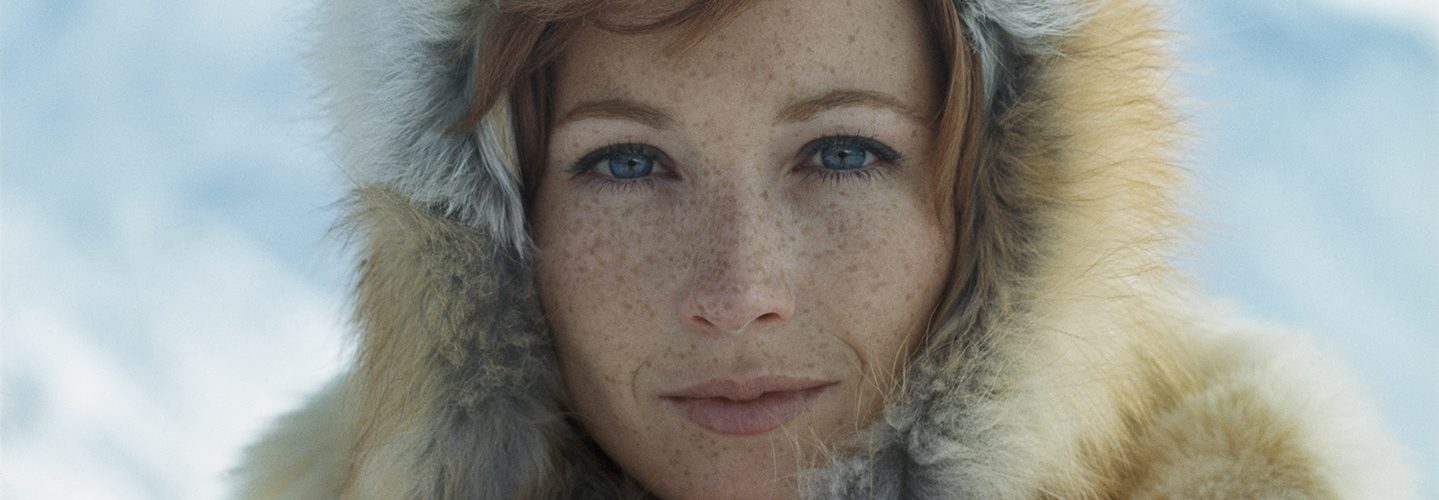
point(777, 248)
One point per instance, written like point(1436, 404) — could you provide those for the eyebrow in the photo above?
point(793, 112)
point(805, 109)
point(622, 109)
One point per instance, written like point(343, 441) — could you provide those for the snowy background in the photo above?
point(165, 192)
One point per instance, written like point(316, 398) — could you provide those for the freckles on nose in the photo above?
point(740, 279)
point(731, 305)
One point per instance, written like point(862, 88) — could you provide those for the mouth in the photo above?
point(745, 406)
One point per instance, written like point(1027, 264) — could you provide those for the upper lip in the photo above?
point(745, 388)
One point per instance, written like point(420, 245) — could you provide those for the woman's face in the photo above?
point(738, 243)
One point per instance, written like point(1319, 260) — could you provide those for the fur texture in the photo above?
point(1074, 364)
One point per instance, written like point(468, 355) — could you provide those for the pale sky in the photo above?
point(1418, 15)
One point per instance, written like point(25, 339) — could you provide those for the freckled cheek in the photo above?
point(601, 273)
point(878, 264)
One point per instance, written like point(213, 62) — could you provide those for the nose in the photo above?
point(741, 281)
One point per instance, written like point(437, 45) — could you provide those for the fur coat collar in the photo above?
point(1076, 364)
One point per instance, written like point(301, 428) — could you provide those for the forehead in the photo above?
point(774, 50)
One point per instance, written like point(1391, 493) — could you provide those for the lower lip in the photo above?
point(746, 418)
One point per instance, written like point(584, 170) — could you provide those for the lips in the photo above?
point(745, 406)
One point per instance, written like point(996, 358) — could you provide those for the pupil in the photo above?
point(842, 157)
point(630, 166)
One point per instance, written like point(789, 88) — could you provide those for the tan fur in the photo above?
point(1113, 384)
point(1075, 363)
point(305, 456)
point(430, 292)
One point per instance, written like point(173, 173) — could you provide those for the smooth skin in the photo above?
point(771, 212)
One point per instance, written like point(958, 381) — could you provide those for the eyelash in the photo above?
point(885, 159)
point(587, 163)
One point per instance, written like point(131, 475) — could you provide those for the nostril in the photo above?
point(735, 323)
point(768, 318)
point(701, 321)
point(736, 299)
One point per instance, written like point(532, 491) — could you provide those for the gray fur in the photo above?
point(397, 77)
point(489, 379)
point(495, 431)
point(1005, 33)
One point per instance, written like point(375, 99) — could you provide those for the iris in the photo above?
point(630, 165)
point(842, 157)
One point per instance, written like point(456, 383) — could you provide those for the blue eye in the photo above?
point(842, 157)
point(627, 162)
point(630, 166)
point(845, 154)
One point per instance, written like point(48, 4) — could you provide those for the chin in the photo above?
point(721, 475)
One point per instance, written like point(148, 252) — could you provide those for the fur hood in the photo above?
point(1074, 363)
